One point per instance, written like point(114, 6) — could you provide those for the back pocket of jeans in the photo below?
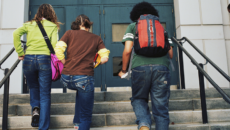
point(82, 84)
point(27, 65)
point(163, 84)
point(138, 78)
point(163, 79)
point(44, 64)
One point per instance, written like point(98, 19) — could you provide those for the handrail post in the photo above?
point(225, 96)
point(181, 62)
point(5, 102)
point(25, 87)
point(203, 96)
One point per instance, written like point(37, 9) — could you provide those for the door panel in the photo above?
point(166, 17)
point(115, 16)
point(119, 15)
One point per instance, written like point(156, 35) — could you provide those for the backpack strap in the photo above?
point(46, 37)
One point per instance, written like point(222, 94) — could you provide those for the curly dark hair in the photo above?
point(228, 7)
point(142, 8)
point(81, 20)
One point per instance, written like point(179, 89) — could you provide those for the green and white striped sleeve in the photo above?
point(129, 34)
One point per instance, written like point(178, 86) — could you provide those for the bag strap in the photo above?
point(130, 65)
point(46, 37)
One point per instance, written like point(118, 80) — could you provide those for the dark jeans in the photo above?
point(84, 98)
point(153, 79)
point(37, 69)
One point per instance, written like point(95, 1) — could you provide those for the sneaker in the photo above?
point(76, 126)
point(144, 128)
point(35, 117)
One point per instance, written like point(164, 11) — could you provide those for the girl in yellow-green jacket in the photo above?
point(36, 62)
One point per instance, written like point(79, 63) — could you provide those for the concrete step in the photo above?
point(114, 96)
point(116, 107)
point(122, 119)
point(194, 126)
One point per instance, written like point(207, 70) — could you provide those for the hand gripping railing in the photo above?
point(203, 73)
point(6, 81)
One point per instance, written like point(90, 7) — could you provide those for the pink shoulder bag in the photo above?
point(56, 65)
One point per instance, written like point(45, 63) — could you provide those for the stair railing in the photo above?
point(6, 82)
point(201, 74)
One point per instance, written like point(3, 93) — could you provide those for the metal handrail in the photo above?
point(9, 73)
point(225, 96)
point(208, 60)
point(7, 55)
point(5, 81)
point(5, 102)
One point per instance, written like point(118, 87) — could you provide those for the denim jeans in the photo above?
point(84, 98)
point(37, 69)
point(153, 79)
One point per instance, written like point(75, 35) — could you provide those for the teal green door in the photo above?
point(115, 16)
point(110, 20)
point(118, 16)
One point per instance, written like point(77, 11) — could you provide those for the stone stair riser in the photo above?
point(123, 119)
point(113, 96)
point(116, 107)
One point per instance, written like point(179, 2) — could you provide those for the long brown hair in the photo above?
point(81, 20)
point(46, 11)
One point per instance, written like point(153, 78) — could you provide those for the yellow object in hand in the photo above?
point(97, 60)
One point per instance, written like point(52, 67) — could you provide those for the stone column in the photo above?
point(203, 21)
point(13, 13)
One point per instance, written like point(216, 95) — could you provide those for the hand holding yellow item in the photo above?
point(103, 53)
point(97, 60)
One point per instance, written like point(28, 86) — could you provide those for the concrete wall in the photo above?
point(206, 24)
point(13, 13)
